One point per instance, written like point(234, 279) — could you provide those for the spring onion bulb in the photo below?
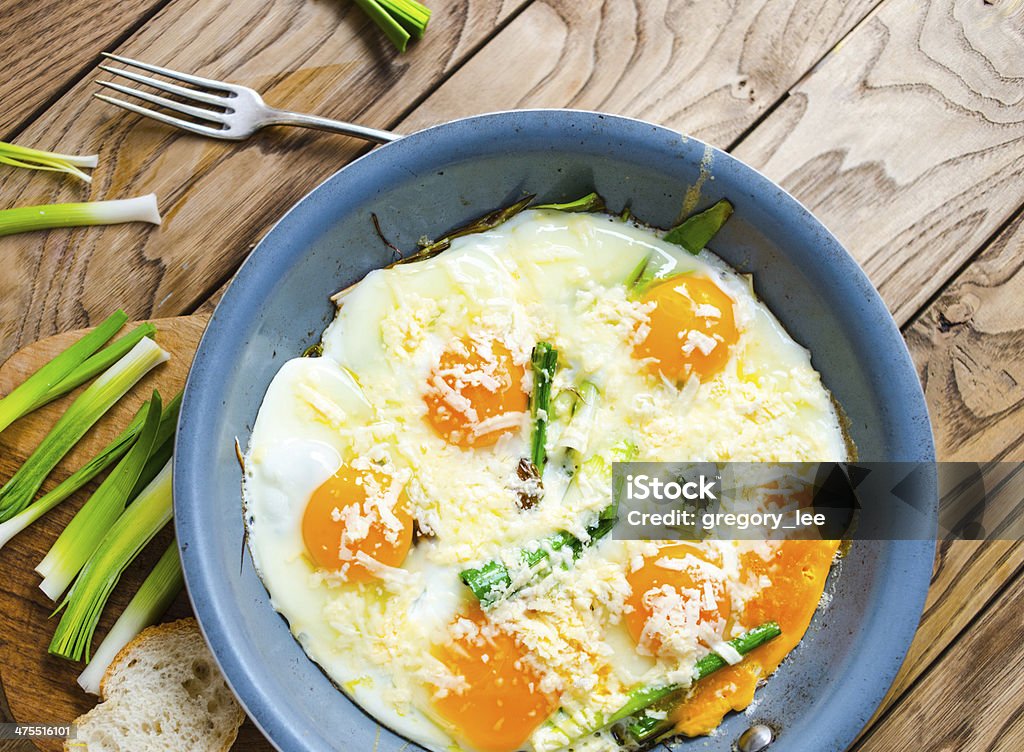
point(96, 364)
point(155, 596)
point(110, 454)
point(48, 216)
point(36, 159)
point(80, 538)
point(29, 395)
point(90, 405)
point(82, 607)
point(400, 20)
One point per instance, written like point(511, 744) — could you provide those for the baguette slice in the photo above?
point(162, 693)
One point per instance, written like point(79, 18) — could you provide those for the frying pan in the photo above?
point(440, 178)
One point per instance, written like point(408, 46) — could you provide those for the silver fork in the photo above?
point(235, 112)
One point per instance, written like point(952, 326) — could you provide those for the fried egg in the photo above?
point(379, 471)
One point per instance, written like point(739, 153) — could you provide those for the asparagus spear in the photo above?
point(568, 729)
point(544, 361)
point(493, 581)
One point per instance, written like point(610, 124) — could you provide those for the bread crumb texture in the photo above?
point(162, 693)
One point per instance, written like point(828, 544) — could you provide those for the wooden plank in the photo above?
point(908, 141)
point(971, 700)
point(48, 43)
point(217, 197)
point(708, 69)
point(967, 347)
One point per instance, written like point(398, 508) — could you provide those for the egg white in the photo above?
point(544, 275)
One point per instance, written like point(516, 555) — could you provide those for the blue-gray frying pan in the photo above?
point(439, 178)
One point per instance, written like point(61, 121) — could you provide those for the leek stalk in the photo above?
point(90, 405)
point(400, 20)
point(48, 216)
point(96, 364)
point(27, 396)
point(78, 540)
point(154, 597)
point(110, 454)
point(83, 605)
point(48, 161)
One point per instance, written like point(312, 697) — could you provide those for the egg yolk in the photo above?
point(691, 328)
point(355, 512)
point(500, 704)
point(475, 393)
point(687, 576)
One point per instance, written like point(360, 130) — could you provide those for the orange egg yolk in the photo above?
point(472, 388)
point(691, 328)
point(500, 704)
point(797, 571)
point(351, 512)
point(678, 566)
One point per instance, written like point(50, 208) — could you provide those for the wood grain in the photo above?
point(908, 140)
point(217, 197)
point(48, 43)
point(971, 700)
point(968, 348)
point(41, 688)
point(706, 68)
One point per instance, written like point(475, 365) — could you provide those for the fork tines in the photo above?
point(198, 95)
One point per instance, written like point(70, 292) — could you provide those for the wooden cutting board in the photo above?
point(42, 688)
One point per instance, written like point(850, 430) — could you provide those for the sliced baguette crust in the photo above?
point(162, 693)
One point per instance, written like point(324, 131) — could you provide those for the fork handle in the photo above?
point(283, 117)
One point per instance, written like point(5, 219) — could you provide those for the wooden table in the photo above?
point(900, 123)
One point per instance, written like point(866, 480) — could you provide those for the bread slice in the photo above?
point(162, 693)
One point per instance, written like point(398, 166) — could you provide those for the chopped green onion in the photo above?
point(696, 232)
point(48, 216)
point(36, 159)
point(592, 202)
point(154, 597)
point(26, 397)
point(82, 607)
point(398, 19)
point(96, 364)
point(74, 546)
point(544, 361)
point(110, 454)
point(73, 424)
